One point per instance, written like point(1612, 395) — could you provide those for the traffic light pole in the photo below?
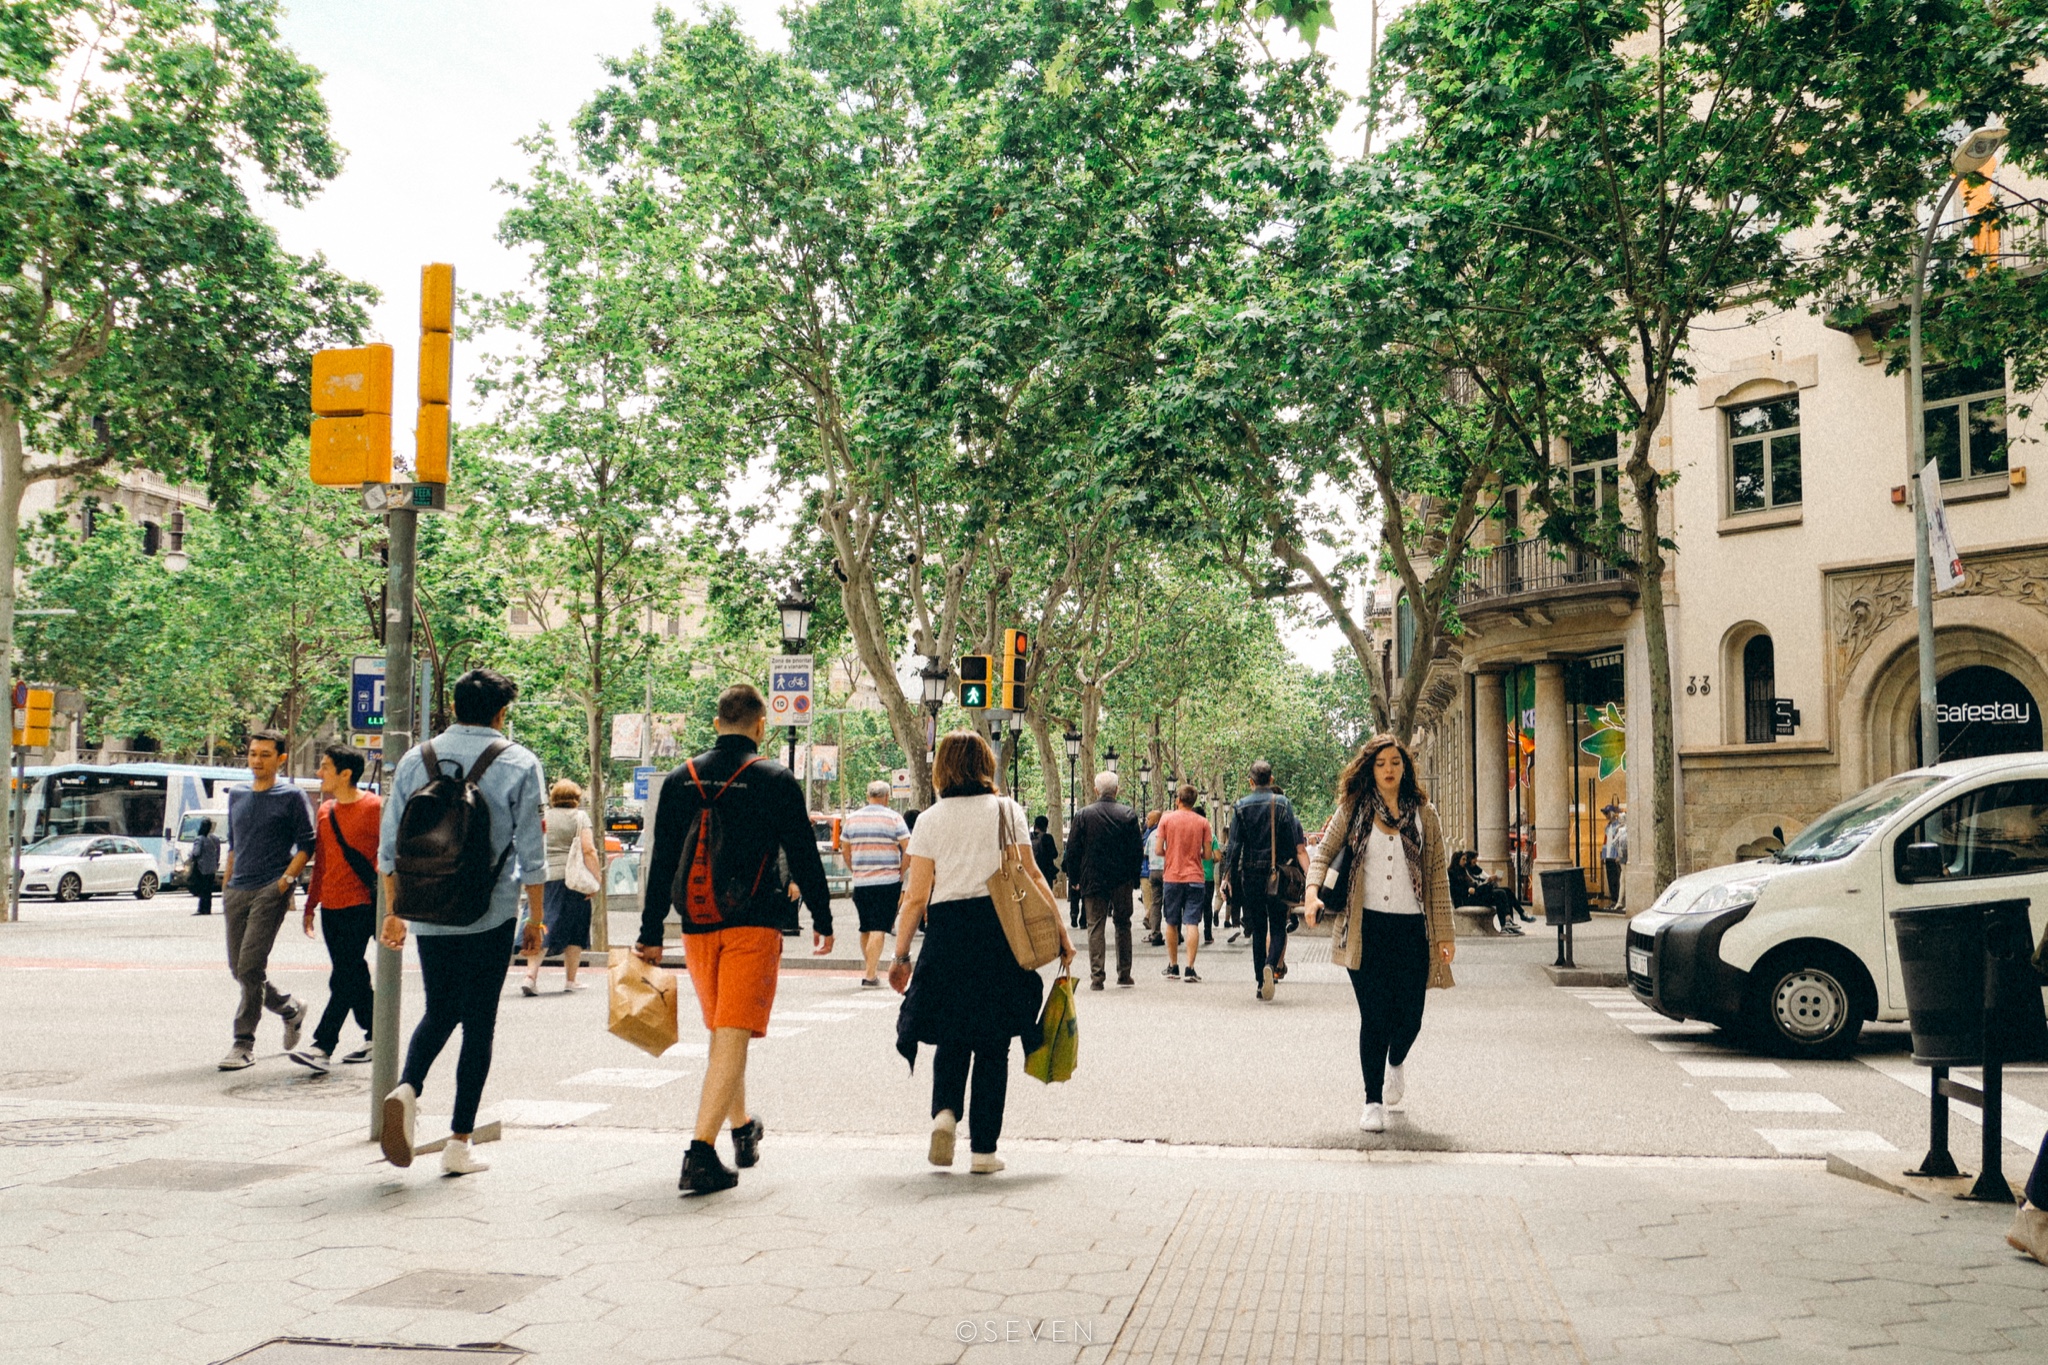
point(403, 532)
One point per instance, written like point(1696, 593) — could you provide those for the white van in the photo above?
point(1795, 952)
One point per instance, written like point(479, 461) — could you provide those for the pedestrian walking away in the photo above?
point(270, 836)
point(967, 996)
point(723, 818)
point(1044, 851)
point(203, 878)
point(571, 847)
point(1155, 878)
point(1186, 842)
point(1391, 911)
point(343, 891)
point(463, 965)
point(1104, 853)
point(872, 840)
point(1264, 835)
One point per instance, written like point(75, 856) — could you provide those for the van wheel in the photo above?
point(146, 888)
point(1804, 1004)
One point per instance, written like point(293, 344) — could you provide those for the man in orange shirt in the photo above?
point(345, 841)
point(1185, 839)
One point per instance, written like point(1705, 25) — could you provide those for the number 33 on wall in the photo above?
point(1699, 685)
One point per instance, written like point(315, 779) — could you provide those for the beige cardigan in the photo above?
point(1436, 891)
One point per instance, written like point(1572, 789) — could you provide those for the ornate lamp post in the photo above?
point(1073, 740)
point(932, 678)
point(795, 609)
point(1145, 786)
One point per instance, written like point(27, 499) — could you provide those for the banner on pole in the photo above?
point(1941, 546)
point(824, 762)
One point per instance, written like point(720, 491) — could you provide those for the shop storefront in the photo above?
point(1592, 743)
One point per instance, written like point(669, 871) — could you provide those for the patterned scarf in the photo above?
point(1409, 823)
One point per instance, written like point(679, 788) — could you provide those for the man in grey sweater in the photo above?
point(270, 836)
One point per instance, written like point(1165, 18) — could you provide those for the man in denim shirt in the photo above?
point(464, 966)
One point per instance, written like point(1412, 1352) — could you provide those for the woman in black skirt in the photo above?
point(968, 997)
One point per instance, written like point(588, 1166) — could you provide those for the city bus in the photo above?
point(146, 802)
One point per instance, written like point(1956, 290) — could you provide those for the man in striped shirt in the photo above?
point(872, 840)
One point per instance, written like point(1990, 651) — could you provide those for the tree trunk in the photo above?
point(13, 484)
point(1650, 581)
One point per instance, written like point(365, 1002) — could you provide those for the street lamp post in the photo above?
point(1975, 153)
point(932, 677)
point(1016, 748)
point(795, 609)
point(1073, 740)
point(1145, 786)
point(1109, 761)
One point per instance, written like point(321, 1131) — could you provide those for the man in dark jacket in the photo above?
point(732, 916)
point(1263, 830)
point(1104, 851)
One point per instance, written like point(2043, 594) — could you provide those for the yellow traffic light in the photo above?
point(33, 732)
point(347, 383)
point(437, 370)
point(1010, 696)
point(352, 450)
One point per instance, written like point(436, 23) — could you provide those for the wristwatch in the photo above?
point(901, 961)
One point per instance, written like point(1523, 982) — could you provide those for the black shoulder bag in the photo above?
point(365, 871)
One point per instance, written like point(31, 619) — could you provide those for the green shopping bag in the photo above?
point(1054, 1058)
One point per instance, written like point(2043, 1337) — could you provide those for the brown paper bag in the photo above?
point(643, 1002)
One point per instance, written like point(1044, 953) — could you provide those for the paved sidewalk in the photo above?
point(192, 1234)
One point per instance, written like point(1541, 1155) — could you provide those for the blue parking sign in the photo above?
point(640, 779)
point(366, 692)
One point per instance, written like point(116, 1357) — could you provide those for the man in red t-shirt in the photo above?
point(1185, 838)
point(345, 845)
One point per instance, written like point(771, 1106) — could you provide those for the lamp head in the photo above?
point(795, 610)
point(1073, 741)
point(1978, 150)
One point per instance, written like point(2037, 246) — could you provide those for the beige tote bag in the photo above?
point(1029, 918)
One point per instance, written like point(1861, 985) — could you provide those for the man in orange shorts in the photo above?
point(721, 820)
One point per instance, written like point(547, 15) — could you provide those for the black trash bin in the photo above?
point(1564, 896)
point(1967, 974)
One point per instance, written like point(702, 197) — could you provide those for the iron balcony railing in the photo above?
point(1523, 568)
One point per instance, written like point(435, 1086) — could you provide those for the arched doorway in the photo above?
point(1983, 710)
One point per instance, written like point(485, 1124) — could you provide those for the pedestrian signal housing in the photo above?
point(976, 678)
point(351, 437)
point(1011, 696)
point(32, 718)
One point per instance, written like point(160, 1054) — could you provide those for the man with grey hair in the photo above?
point(872, 840)
point(1104, 853)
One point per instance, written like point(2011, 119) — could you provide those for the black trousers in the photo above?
point(347, 931)
point(464, 974)
point(203, 887)
point(1265, 919)
point(991, 1071)
point(1391, 984)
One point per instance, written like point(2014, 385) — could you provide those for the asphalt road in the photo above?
point(123, 1001)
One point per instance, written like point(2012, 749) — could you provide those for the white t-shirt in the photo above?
point(958, 834)
point(1388, 887)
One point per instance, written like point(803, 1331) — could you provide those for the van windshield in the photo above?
point(1842, 830)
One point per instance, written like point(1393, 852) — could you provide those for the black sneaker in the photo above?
point(1096, 984)
point(1189, 977)
point(1171, 969)
point(746, 1143)
point(703, 1172)
point(360, 1055)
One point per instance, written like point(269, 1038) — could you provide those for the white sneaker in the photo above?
point(294, 1020)
point(1266, 983)
point(986, 1163)
point(1396, 1085)
point(1374, 1119)
point(457, 1159)
point(401, 1107)
point(2030, 1232)
point(238, 1059)
point(314, 1059)
point(361, 1054)
point(944, 1127)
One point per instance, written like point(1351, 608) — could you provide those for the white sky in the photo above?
point(429, 97)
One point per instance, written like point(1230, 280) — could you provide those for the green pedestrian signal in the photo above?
point(975, 677)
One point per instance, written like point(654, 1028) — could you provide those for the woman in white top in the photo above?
point(567, 826)
point(1392, 922)
point(967, 997)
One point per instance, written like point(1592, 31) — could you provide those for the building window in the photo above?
point(1759, 691)
point(177, 530)
point(1763, 455)
point(520, 616)
point(152, 537)
point(675, 626)
point(1963, 415)
point(1596, 474)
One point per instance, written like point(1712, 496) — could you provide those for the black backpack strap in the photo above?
point(485, 759)
point(357, 863)
point(430, 761)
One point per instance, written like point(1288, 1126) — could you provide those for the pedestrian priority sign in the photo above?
point(789, 689)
